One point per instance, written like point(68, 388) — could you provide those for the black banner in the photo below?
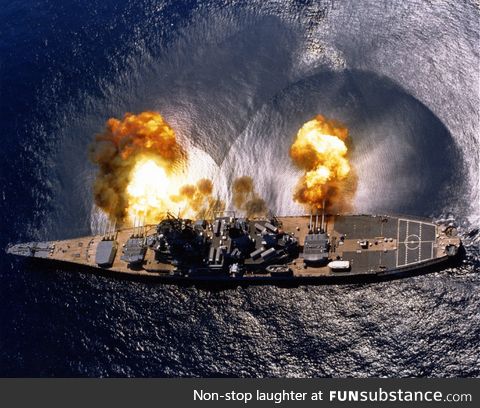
point(239, 392)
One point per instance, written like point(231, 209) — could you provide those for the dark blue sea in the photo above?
point(236, 79)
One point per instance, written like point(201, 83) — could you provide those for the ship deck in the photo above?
point(393, 243)
point(372, 244)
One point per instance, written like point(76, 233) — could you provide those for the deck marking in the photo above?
point(405, 242)
point(381, 234)
point(413, 239)
point(398, 238)
point(420, 242)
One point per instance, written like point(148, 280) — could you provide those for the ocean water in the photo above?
point(236, 80)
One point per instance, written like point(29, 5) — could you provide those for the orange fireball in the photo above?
point(320, 150)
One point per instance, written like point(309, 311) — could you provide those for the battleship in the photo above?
point(315, 248)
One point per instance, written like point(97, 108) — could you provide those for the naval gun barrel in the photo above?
point(323, 216)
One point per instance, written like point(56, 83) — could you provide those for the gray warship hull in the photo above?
point(296, 249)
